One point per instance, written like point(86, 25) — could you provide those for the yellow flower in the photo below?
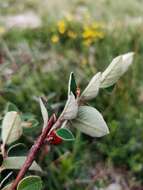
point(61, 26)
point(55, 38)
point(2, 30)
point(72, 34)
point(88, 32)
point(87, 42)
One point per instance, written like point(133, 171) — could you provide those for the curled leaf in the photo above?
point(11, 127)
point(91, 122)
point(92, 88)
point(116, 69)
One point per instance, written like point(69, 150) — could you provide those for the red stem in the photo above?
point(33, 151)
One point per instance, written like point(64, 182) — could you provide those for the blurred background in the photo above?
point(41, 42)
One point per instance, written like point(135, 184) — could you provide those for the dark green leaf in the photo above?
point(19, 149)
point(65, 134)
point(110, 89)
point(72, 84)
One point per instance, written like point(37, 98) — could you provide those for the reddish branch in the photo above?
point(33, 151)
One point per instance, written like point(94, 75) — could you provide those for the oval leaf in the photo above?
point(44, 112)
point(92, 88)
point(72, 87)
point(116, 69)
point(30, 183)
point(65, 134)
point(11, 127)
point(18, 149)
point(71, 108)
point(17, 163)
point(90, 122)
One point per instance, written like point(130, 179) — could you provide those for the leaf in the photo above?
point(11, 107)
point(6, 178)
point(116, 69)
point(17, 162)
point(110, 89)
point(92, 88)
point(30, 124)
point(11, 127)
point(44, 112)
point(71, 108)
point(18, 149)
point(72, 87)
point(65, 134)
point(90, 122)
point(30, 183)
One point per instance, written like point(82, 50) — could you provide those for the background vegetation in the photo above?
point(83, 37)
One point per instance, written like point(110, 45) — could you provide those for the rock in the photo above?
point(25, 20)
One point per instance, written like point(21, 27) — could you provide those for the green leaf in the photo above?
point(30, 183)
point(6, 178)
point(33, 126)
point(11, 127)
point(18, 149)
point(90, 121)
point(11, 107)
point(17, 163)
point(72, 87)
point(110, 88)
point(65, 134)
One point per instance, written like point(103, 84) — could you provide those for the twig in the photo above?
point(33, 151)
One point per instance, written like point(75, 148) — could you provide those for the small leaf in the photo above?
point(6, 178)
point(72, 87)
point(92, 88)
point(44, 112)
point(11, 107)
point(11, 127)
point(30, 124)
point(71, 108)
point(116, 69)
point(65, 134)
point(18, 149)
point(17, 162)
point(90, 122)
point(30, 183)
